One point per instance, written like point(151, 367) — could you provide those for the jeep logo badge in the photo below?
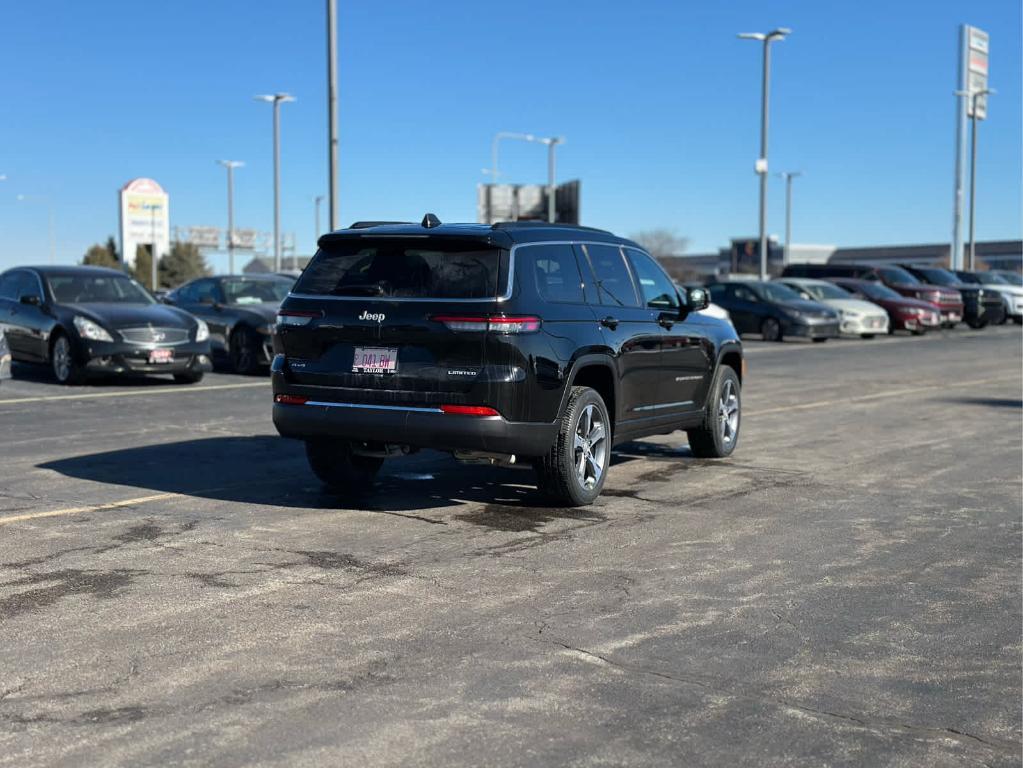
point(367, 315)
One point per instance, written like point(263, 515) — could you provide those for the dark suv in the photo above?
point(511, 343)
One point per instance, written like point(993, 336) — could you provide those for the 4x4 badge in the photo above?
point(367, 315)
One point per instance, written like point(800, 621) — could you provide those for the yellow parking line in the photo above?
point(133, 392)
point(92, 508)
point(879, 395)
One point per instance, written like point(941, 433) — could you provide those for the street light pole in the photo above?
point(276, 100)
point(761, 165)
point(332, 113)
point(973, 172)
point(230, 165)
point(551, 143)
point(316, 203)
point(788, 176)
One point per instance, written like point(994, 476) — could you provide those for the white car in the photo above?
point(713, 310)
point(858, 317)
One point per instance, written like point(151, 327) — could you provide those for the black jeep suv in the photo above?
point(517, 342)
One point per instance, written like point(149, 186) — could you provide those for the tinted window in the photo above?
point(657, 289)
point(743, 293)
point(878, 291)
point(205, 292)
point(719, 292)
point(777, 292)
point(420, 268)
point(240, 291)
point(98, 288)
point(822, 290)
point(939, 277)
point(555, 271)
point(9, 286)
point(613, 279)
point(896, 275)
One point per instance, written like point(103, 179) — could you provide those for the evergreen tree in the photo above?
point(182, 263)
point(99, 256)
point(143, 269)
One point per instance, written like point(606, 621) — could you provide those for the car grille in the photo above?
point(154, 335)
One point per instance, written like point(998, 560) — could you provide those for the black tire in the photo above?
point(770, 329)
point(977, 324)
point(189, 377)
point(866, 335)
point(558, 473)
point(820, 341)
point(243, 351)
point(918, 331)
point(333, 462)
point(716, 438)
point(1018, 320)
point(66, 369)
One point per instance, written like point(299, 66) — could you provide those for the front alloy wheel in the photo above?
point(62, 359)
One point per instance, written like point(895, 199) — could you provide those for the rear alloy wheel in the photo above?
point(717, 437)
point(333, 462)
point(62, 359)
point(573, 471)
point(243, 351)
point(866, 335)
point(770, 329)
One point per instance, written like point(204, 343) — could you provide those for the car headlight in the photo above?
point(90, 330)
point(202, 331)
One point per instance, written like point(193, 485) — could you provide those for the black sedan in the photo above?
point(83, 320)
point(774, 310)
point(240, 311)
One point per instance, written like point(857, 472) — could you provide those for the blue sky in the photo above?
point(658, 102)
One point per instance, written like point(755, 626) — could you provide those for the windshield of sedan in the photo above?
point(776, 292)
point(877, 291)
point(897, 275)
point(990, 278)
point(256, 291)
point(824, 291)
point(97, 289)
point(1012, 278)
point(940, 277)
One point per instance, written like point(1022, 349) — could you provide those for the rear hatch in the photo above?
point(372, 319)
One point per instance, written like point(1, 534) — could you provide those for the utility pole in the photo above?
point(332, 112)
point(788, 176)
point(973, 173)
point(230, 165)
point(276, 100)
point(761, 165)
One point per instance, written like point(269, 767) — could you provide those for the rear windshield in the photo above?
point(897, 275)
point(940, 277)
point(405, 268)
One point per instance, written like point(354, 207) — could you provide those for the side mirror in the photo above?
point(697, 299)
point(31, 300)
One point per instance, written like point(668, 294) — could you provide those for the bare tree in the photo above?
point(662, 243)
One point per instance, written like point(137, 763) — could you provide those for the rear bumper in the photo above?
point(422, 427)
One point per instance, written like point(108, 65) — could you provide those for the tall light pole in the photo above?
point(973, 170)
point(761, 166)
point(332, 112)
point(230, 165)
point(51, 219)
point(316, 203)
point(551, 143)
point(277, 99)
point(788, 176)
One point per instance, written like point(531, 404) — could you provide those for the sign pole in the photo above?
point(955, 258)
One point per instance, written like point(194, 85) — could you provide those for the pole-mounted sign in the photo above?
point(976, 70)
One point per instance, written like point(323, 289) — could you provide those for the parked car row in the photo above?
point(823, 301)
point(84, 320)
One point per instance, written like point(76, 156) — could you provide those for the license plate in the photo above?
point(161, 356)
point(375, 360)
point(953, 317)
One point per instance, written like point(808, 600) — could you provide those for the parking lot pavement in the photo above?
point(175, 587)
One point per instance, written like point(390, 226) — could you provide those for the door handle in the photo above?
point(610, 322)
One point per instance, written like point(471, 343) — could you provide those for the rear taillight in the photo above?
point(290, 399)
point(469, 410)
point(296, 316)
point(495, 323)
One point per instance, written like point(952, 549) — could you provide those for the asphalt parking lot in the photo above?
point(176, 588)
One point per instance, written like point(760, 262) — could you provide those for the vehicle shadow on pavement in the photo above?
point(269, 470)
point(41, 374)
point(990, 402)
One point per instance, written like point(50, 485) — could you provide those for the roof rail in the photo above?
point(538, 224)
point(367, 224)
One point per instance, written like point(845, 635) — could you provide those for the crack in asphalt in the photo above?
point(880, 726)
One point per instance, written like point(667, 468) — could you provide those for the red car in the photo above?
point(948, 301)
point(908, 314)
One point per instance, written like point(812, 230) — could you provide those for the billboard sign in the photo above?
point(144, 219)
point(204, 237)
point(977, 48)
point(526, 202)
